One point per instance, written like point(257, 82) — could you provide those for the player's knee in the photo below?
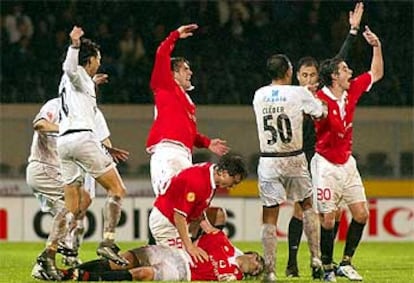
point(328, 221)
point(361, 216)
point(217, 216)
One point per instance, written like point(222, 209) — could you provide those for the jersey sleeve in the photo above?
point(346, 47)
point(360, 84)
point(102, 130)
point(311, 105)
point(70, 65)
point(202, 141)
point(49, 112)
point(161, 76)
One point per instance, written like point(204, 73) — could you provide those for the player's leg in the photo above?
point(294, 235)
point(327, 245)
point(113, 184)
point(90, 155)
point(166, 160)
point(359, 213)
point(327, 194)
point(269, 241)
point(311, 227)
point(272, 194)
point(354, 196)
point(70, 245)
point(47, 259)
point(48, 188)
point(217, 216)
point(338, 215)
point(299, 189)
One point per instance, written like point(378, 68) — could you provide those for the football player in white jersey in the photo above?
point(79, 147)
point(43, 175)
point(282, 170)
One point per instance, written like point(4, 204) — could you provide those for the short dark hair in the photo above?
point(327, 68)
point(88, 49)
point(260, 260)
point(233, 164)
point(277, 65)
point(307, 61)
point(176, 62)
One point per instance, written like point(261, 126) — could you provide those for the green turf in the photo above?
point(376, 262)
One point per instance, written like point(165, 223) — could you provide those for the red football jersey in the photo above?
point(334, 133)
point(222, 260)
point(175, 118)
point(189, 192)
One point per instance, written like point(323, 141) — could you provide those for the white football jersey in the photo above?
point(102, 130)
point(279, 116)
point(77, 91)
point(43, 148)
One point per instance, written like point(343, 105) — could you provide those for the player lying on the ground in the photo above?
point(160, 263)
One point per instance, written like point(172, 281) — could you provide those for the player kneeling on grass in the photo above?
point(161, 263)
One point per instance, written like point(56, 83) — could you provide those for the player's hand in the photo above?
point(218, 147)
point(197, 254)
point(356, 15)
point(75, 35)
point(100, 78)
point(371, 37)
point(187, 30)
point(118, 154)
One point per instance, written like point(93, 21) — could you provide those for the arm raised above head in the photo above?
point(377, 62)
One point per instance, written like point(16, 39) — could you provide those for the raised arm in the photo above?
point(72, 56)
point(161, 74)
point(45, 126)
point(377, 63)
point(355, 17)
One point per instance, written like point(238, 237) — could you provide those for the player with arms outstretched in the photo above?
point(307, 74)
point(174, 132)
point(334, 171)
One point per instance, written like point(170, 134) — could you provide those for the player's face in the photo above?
point(343, 76)
point(183, 76)
point(251, 265)
point(307, 75)
point(226, 181)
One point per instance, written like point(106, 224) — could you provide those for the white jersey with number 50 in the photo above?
point(78, 97)
point(279, 115)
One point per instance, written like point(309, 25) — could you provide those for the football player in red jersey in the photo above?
point(334, 171)
point(187, 196)
point(307, 74)
point(174, 132)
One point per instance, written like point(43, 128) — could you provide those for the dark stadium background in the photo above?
point(227, 53)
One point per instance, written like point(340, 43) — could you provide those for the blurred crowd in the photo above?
point(227, 53)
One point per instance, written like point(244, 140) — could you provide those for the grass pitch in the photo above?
point(376, 262)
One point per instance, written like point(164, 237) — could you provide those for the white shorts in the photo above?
point(163, 231)
point(334, 183)
point(169, 264)
point(282, 178)
point(44, 178)
point(89, 185)
point(167, 159)
point(82, 152)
